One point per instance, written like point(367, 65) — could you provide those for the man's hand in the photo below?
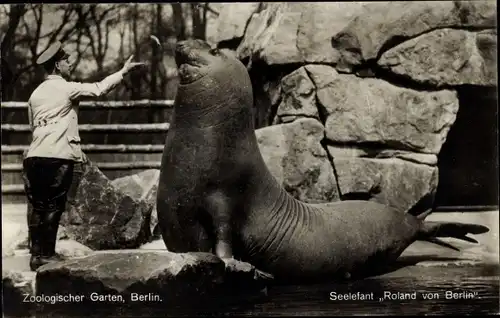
point(129, 65)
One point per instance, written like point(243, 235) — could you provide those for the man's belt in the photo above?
point(44, 122)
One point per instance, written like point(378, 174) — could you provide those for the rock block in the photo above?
point(295, 157)
point(143, 278)
point(18, 286)
point(232, 20)
point(142, 186)
point(392, 181)
point(383, 25)
point(298, 97)
point(101, 216)
point(373, 111)
point(296, 32)
point(445, 57)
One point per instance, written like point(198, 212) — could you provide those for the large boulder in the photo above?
point(294, 155)
point(373, 111)
point(381, 153)
point(445, 57)
point(142, 186)
point(298, 97)
point(125, 272)
point(233, 19)
point(112, 282)
point(288, 32)
point(101, 216)
point(384, 139)
point(391, 178)
point(149, 278)
point(382, 25)
point(239, 273)
point(16, 285)
point(486, 42)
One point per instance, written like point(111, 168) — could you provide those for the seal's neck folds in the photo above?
point(215, 98)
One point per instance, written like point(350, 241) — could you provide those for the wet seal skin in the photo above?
point(217, 195)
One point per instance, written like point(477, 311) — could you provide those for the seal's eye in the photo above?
point(214, 51)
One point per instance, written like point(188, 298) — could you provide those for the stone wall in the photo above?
point(381, 78)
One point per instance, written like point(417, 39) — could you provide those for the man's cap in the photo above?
point(55, 50)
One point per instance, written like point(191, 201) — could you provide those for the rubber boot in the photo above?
point(35, 248)
point(51, 226)
point(35, 232)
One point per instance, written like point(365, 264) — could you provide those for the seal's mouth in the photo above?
point(184, 55)
point(192, 52)
point(191, 57)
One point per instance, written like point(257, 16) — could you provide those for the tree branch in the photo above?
point(33, 43)
point(25, 69)
point(179, 24)
point(91, 40)
point(105, 13)
point(204, 19)
point(7, 47)
point(66, 16)
point(16, 12)
point(106, 41)
point(211, 10)
point(39, 23)
point(80, 23)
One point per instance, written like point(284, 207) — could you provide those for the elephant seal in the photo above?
point(216, 194)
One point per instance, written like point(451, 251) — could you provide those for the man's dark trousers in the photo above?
point(47, 182)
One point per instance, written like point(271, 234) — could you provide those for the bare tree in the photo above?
point(179, 23)
point(35, 37)
point(82, 16)
point(198, 16)
point(8, 72)
point(29, 38)
point(97, 31)
point(28, 29)
point(135, 79)
point(155, 29)
point(16, 12)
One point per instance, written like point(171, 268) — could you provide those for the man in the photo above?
point(54, 151)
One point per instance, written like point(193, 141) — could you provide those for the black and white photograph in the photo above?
point(193, 159)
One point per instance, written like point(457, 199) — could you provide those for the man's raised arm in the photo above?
point(103, 87)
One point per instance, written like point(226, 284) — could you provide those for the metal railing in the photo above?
point(157, 127)
point(93, 148)
point(16, 150)
point(106, 104)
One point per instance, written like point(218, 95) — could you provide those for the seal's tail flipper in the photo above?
point(430, 231)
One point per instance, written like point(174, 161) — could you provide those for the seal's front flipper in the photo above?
point(236, 266)
point(260, 275)
point(223, 249)
point(220, 210)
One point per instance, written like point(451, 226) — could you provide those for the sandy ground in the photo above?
point(487, 251)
